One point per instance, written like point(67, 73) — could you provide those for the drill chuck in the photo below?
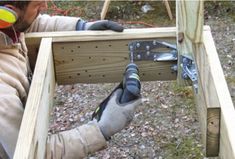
point(131, 84)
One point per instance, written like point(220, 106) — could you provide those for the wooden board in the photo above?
point(34, 128)
point(105, 9)
point(189, 24)
point(103, 62)
point(101, 56)
point(217, 94)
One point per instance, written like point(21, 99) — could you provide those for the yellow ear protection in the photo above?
point(7, 17)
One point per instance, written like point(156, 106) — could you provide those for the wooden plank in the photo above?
point(34, 127)
point(105, 9)
point(217, 93)
point(190, 20)
point(168, 8)
point(189, 24)
point(208, 106)
point(103, 62)
point(33, 39)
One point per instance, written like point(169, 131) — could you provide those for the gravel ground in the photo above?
point(166, 124)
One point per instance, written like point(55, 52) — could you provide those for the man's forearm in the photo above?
point(75, 143)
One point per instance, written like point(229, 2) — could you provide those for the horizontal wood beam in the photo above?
point(103, 62)
point(34, 127)
point(101, 56)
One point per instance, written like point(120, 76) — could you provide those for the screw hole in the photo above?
point(72, 59)
point(72, 50)
point(104, 59)
point(103, 75)
point(159, 73)
point(96, 46)
point(78, 74)
point(86, 71)
point(78, 47)
point(70, 77)
point(89, 75)
point(89, 57)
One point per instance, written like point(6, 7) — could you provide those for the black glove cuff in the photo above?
point(81, 24)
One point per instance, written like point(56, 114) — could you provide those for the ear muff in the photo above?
point(7, 17)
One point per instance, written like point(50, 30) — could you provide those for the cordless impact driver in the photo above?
point(130, 85)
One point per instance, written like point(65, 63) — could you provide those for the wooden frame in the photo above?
point(33, 132)
point(214, 104)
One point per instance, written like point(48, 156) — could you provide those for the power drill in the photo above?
point(131, 88)
point(130, 84)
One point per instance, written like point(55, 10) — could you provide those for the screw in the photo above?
point(147, 47)
point(131, 47)
point(154, 42)
point(138, 44)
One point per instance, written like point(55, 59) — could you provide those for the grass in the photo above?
point(185, 147)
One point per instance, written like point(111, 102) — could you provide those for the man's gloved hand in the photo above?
point(99, 25)
point(117, 116)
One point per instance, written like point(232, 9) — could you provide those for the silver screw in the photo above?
point(148, 53)
point(147, 47)
point(138, 44)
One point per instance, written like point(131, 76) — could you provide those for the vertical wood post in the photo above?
point(105, 9)
point(189, 22)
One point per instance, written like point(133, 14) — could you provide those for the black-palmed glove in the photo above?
point(116, 116)
point(99, 25)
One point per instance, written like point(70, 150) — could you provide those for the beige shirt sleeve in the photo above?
point(75, 143)
point(46, 23)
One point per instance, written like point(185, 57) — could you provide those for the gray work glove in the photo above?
point(99, 25)
point(117, 116)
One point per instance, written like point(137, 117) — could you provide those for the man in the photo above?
point(14, 85)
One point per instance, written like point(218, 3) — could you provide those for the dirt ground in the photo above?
point(166, 125)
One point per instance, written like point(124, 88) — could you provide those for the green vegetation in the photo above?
point(185, 147)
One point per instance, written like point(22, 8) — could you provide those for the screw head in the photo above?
point(138, 44)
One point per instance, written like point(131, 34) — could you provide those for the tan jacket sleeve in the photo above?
point(75, 143)
point(46, 23)
point(14, 87)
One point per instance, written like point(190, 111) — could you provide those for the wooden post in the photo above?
point(190, 44)
point(168, 8)
point(189, 24)
point(105, 9)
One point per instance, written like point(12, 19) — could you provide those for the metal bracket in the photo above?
point(152, 50)
point(189, 71)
